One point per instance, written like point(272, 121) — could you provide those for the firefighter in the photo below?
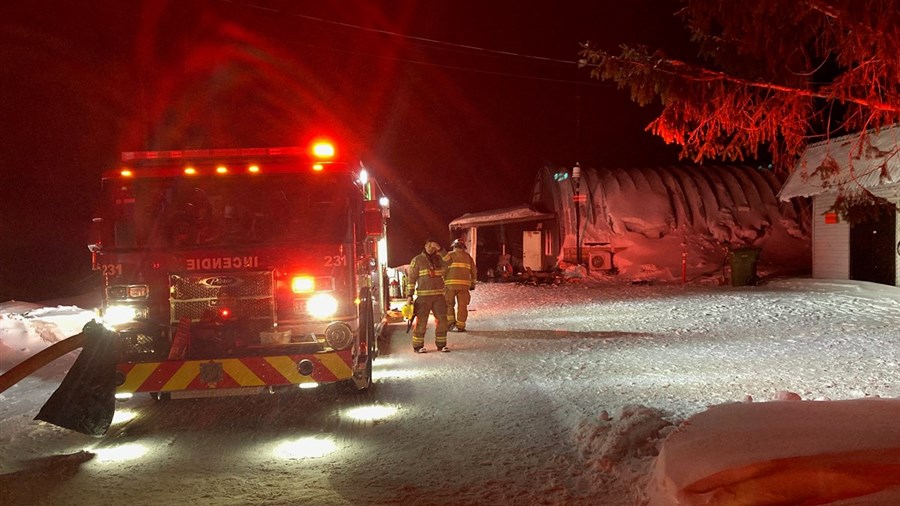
point(425, 280)
point(459, 280)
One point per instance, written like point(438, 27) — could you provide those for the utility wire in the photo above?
point(595, 84)
point(449, 46)
point(400, 35)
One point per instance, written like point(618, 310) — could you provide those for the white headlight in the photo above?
point(117, 315)
point(322, 305)
point(121, 314)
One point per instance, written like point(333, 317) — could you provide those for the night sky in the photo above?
point(453, 104)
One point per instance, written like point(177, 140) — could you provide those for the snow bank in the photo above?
point(620, 449)
point(27, 328)
point(806, 452)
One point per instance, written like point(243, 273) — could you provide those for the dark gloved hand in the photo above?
point(471, 287)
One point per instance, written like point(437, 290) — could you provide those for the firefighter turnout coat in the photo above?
point(425, 279)
point(459, 280)
point(460, 270)
point(425, 275)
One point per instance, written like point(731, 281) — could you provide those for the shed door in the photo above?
point(532, 248)
point(872, 255)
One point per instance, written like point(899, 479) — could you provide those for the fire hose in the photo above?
point(85, 399)
point(30, 365)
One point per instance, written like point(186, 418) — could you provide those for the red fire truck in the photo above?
point(241, 270)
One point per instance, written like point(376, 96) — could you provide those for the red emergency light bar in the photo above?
point(192, 154)
point(174, 169)
point(221, 162)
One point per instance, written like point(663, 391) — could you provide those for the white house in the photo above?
point(867, 250)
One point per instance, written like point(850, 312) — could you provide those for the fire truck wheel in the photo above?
point(161, 396)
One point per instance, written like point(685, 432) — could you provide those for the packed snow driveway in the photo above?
point(556, 395)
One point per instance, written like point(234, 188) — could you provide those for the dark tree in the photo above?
point(769, 75)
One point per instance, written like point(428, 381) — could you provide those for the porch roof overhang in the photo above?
point(870, 166)
point(517, 214)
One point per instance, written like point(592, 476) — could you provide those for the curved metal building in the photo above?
point(672, 218)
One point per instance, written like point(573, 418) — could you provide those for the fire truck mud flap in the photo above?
point(362, 377)
point(362, 374)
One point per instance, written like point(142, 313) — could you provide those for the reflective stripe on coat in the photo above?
point(460, 269)
point(425, 275)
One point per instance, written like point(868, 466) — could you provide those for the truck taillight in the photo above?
point(322, 305)
point(303, 284)
point(306, 284)
point(323, 149)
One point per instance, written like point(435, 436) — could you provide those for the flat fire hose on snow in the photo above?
point(31, 364)
point(85, 400)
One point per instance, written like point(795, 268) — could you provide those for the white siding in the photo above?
point(831, 242)
point(877, 169)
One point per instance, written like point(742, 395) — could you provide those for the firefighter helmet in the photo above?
point(458, 244)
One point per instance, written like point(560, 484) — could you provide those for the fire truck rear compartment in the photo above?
point(247, 295)
point(249, 299)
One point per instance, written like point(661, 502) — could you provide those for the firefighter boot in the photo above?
point(418, 342)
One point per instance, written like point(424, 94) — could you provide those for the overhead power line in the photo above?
point(404, 36)
point(461, 68)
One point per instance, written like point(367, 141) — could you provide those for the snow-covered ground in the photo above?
point(593, 392)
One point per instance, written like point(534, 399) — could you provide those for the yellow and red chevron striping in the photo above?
point(175, 375)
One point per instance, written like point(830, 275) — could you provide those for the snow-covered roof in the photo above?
point(657, 217)
point(876, 164)
point(515, 214)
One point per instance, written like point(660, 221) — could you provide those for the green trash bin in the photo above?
point(743, 266)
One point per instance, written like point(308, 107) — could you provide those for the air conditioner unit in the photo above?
point(599, 261)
